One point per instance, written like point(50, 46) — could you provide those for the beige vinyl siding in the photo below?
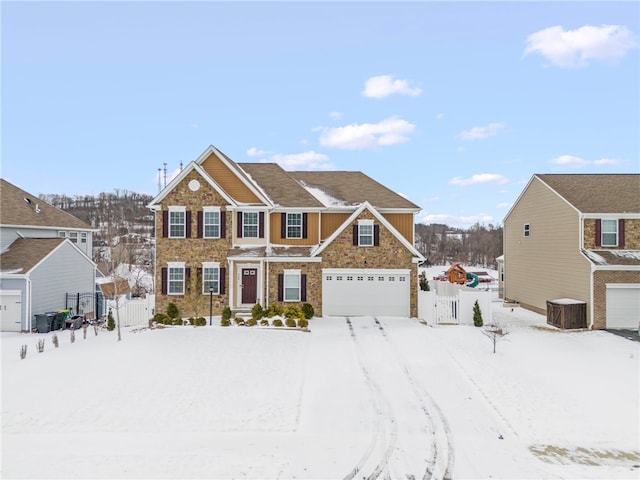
point(548, 264)
point(312, 231)
point(228, 180)
point(403, 222)
point(331, 222)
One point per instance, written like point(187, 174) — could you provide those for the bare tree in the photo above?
point(495, 333)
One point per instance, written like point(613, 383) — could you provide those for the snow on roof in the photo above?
point(594, 257)
point(323, 197)
point(614, 257)
point(566, 301)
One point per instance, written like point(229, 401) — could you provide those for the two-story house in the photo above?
point(247, 233)
point(45, 255)
point(576, 237)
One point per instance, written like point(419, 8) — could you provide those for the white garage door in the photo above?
point(623, 306)
point(365, 292)
point(10, 311)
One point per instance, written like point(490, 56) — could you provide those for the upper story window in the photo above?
point(62, 234)
point(211, 278)
point(294, 225)
point(250, 225)
point(609, 233)
point(211, 222)
point(365, 233)
point(177, 217)
point(73, 236)
point(83, 237)
point(527, 230)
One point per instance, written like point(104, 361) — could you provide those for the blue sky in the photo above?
point(452, 104)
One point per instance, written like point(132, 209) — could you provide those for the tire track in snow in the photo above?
point(386, 427)
point(440, 462)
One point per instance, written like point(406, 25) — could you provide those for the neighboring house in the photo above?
point(241, 234)
point(576, 237)
point(44, 258)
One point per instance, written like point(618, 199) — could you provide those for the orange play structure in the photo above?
point(457, 274)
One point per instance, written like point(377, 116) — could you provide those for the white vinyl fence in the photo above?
point(134, 312)
point(448, 303)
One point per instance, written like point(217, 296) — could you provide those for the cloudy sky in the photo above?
point(452, 104)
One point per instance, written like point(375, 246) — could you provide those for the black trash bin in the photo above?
point(43, 322)
point(57, 320)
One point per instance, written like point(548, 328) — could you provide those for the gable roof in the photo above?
point(25, 253)
point(17, 211)
point(378, 216)
point(283, 189)
point(340, 188)
point(597, 193)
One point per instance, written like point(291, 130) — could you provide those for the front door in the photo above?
point(249, 285)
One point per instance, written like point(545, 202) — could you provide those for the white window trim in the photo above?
point(297, 226)
point(526, 230)
point(83, 237)
point(245, 225)
point(175, 266)
point(365, 222)
point(206, 265)
point(62, 234)
point(73, 236)
point(602, 232)
point(179, 209)
point(292, 273)
point(206, 210)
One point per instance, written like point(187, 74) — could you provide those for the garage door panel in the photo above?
point(623, 306)
point(365, 292)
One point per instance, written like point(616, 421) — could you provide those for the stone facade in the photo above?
point(600, 280)
point(314, 283)
point(631, 235)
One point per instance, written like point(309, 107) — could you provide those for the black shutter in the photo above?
point(598, 232)
point(200, 226)
point(280, 287)
point(187, 280)
point(304, 225)
point(223, 224)
point(376, 235)
point(239, 227)
point(621, 232)
point(355, 235)
point(303, 288)
point(221, 280)
point(283, 225)
point(187, 229)
point(164, 280)
point(165, 223)
point(260, 224)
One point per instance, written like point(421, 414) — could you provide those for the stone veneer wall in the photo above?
point(631, 235)
point(341, 253)
point(193, 251)
point(314, 283)
point(600, 280)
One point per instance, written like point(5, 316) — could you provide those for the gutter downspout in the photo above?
point(592, 268)
point(28, 308)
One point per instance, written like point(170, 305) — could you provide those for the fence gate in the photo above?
point(82, 304)
point(447, 309)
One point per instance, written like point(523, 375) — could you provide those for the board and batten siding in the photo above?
point(228, 180)
point(64, 271)
point(331, 222)
point(403, 222)
point(313, 227)
point(548, 264)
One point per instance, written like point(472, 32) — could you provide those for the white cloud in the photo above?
point(479, 133)
point(336, 115)
point(255, 152)
point(504, 205)
point(356, 136)
point(385, 85)
point(576, 48)
point(478, 178)
point(571, 161)
point(453, 220)
point(301, 161)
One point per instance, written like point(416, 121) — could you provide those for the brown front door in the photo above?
point(249, 285)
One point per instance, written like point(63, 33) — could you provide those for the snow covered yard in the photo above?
point(353, 398)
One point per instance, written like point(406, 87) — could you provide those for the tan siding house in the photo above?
point(238, 234)
point(553, 239)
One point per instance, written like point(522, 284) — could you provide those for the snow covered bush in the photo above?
point(226, 313)
point(198, 322)
point(477, 315)
point(225, 322)
point(257, 312)
point(277, 323)
point(40, 345)
point(252, 322)
point(308, 311)
point(274, 310)
point(290, 322)
point(303, 323)
point(172, 310)
point(111, 323)
point(162, 318)
point(264, 322)
point(54, 340)
point(239, 321)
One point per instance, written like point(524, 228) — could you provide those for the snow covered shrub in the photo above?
point(177, 321)
point(226, 313)
point(162, 318)
point(277, 323)
point(308, 311)
point(239, 321)
point(225, 322)
point(40, 345)
point(172, 310)
point(477, 315)
point(303, 323)
point(290, 322)
point(264, 322)
point(54, 340)
point(23, 352)
point(111, 323)
point(252, 322)
point(198, 322)
point(293, 312)
point(257, 312)
point(274, 310)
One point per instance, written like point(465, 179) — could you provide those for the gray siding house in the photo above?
point(576, 237)
point(44, 256)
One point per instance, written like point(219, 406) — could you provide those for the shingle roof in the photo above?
point(353, 188)
point(597, 193)
point(24, 253)
point(613, 257)
point(279, 185)
point(15, 210)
